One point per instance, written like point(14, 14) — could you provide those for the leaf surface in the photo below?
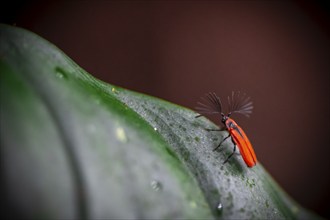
point(75, 147)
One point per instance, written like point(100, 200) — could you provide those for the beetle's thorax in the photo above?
point(230, 123)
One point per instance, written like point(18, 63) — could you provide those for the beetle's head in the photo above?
point(224, 118)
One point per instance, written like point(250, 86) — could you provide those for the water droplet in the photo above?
point(156, 185)
point(114, 90)
point(219, 207)
point(60, 73)
point(121, 135)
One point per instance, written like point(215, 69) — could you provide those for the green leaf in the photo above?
point(75, 147)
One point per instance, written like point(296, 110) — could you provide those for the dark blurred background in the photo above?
point(278, 52)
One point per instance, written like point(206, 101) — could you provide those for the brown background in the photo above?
point(277, 52)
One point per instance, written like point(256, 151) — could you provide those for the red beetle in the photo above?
point(237, 103)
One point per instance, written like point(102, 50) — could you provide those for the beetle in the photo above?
point(237, 103)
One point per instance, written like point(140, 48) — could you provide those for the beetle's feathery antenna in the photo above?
point(212, 105)
point(239, 103)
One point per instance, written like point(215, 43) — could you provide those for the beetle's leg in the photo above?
point(237, 152)
point(230, 155)
point(222, 142)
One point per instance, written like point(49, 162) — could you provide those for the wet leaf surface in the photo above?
point(75, 147)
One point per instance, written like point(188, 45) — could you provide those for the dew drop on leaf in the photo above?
point(219, 207)
point(121, 135)
point(156, 185)
point(60, 73)
point(114, 90)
